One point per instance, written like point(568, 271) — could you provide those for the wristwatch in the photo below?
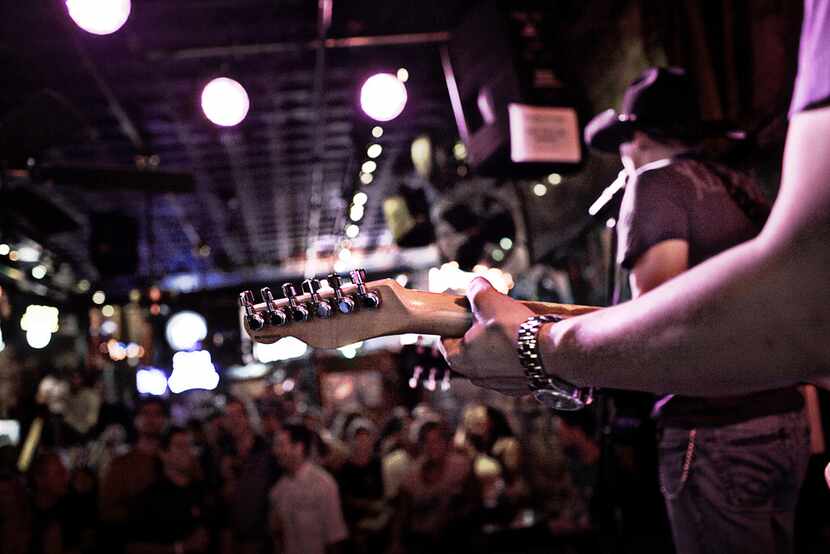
point(550, 391)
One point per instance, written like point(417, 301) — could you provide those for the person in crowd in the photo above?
point(59, 525)
point(398, 451)
point(750, 318)
point(248, 470)
point(15, 515)
point(306, 515)
point(437, 496)
point(360, 482)
point(176, 513)
point(128, 475)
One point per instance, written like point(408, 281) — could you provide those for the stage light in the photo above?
point(497, 255)
point(287, 348)
point(506, 243)
point(352, 231)
point(83, 285)
point(151, 381)
point(360, 199)
point(383, 97)
point(459, 151)
point(38, 338)
point(611, 223)
point(39, 322)
point(350, 350)
point(377, 131)
point(539, 189)
point(109, 328)
point(39, 272)
point(225, 102)
point(185, 330)
point(5, 249)
point(99, 297)
point(28, 254)
point(356, 213)
point(368, 166)
point(99, 17)
point(403, 75)
point(554, 179)
point(366, 178)
point(108, 311)
point(374, 150)
point(192, 370)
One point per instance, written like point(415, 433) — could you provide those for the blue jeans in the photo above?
point(733, 489)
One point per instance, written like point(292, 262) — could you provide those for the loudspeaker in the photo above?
point(515, 115)
point(113, 244)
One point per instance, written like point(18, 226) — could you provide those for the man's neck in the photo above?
point(662, 152)
point(294, 469)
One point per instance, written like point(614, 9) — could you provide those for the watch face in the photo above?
point(557, 400)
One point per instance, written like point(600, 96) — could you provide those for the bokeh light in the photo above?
point(225, 102)
point(383, 97)
point(99, 17)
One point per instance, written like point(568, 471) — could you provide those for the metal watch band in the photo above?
point(547, 389)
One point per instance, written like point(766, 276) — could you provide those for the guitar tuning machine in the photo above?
point(344, 302)
point(321, 307)
point(445, 381)
point(367, 299)
point(298, 312)
point(274, 315)
point(253, 320)
point(430, 383)
point(416, 375)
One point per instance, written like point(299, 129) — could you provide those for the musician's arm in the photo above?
point(754, 317)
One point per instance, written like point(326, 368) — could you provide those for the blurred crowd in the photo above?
point(257, 478)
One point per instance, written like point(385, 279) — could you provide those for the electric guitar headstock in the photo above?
point(345, 313)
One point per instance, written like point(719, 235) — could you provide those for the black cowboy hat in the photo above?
point(662, 102)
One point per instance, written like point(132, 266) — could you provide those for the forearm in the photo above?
point(753, 317)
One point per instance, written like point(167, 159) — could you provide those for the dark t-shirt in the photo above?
point(166, 513)
point(360, 485)
point(812, 86)
point(688, 200)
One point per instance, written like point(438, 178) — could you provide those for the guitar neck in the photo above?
point(449, 315)
point(351, 318)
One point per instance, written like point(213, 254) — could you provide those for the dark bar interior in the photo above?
point(346, 276)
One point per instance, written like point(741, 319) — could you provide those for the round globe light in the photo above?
point(185, 330)
point(225, 102)
point(38, 338)
point(383, 97)
point(99, 17)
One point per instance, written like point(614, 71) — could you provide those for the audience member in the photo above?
point(306, 516)
point(174, 515)
point(248, 472)
point(130, 474)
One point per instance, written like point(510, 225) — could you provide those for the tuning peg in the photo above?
point(416, 375)
point(253, 320)
point(298, 311)
point(430, 383)
point(368, 299)
point(445, 381)
point(274, 316)
point(321, 307)
point(344, 303)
